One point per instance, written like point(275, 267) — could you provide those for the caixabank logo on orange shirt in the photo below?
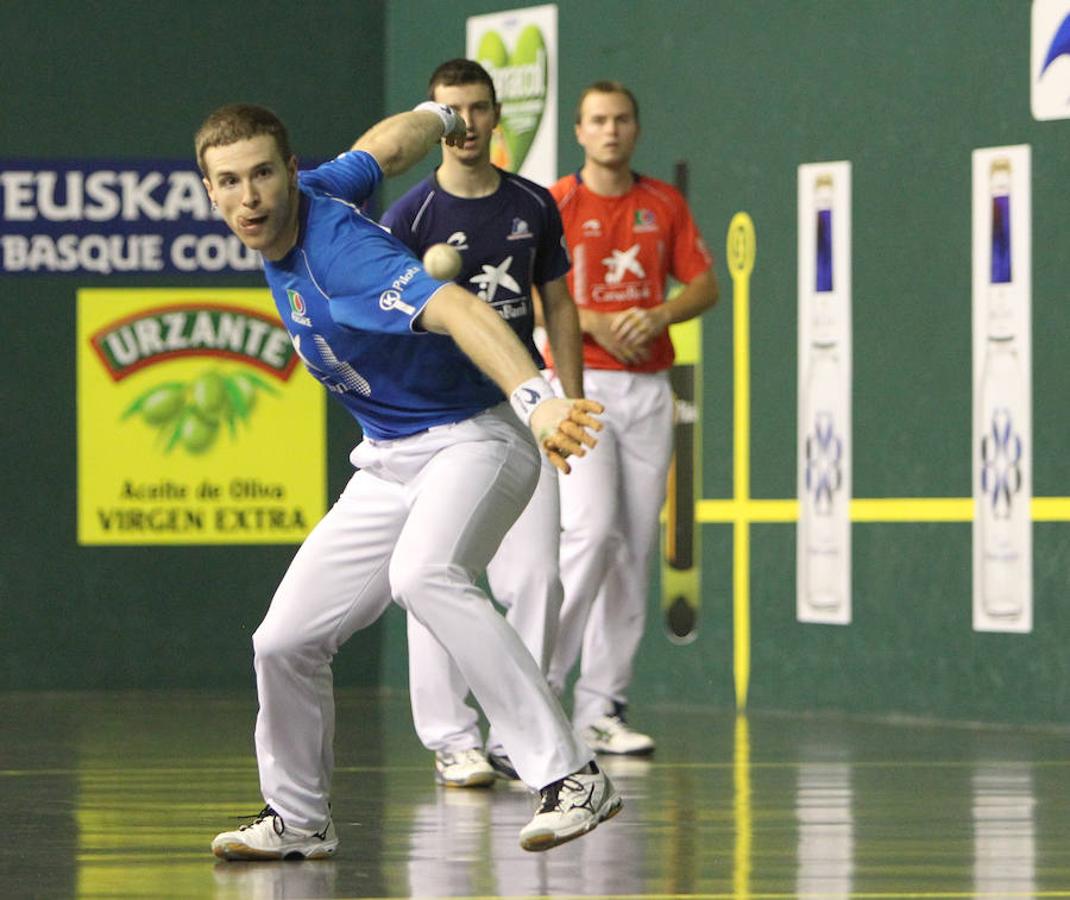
point(196, 423)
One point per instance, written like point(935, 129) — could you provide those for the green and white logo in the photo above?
point(520, 80)
point(518, 49)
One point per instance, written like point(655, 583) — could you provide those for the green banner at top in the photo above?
point(518, 48)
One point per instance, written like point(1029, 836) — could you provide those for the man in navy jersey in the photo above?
point(444, 469)
point(508, 232)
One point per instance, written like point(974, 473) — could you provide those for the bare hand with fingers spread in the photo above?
point(562, 428)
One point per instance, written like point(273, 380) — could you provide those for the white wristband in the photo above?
point(445, 113)
point(528, 395)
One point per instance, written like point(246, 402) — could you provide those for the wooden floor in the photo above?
point(119, 795)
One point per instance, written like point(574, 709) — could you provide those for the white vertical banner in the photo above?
point(823, 536)
point(1049, 60)
point(1002, 390)
point(518, 47)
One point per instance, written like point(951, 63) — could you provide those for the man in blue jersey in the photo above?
point(444, 470)
point(508, 232)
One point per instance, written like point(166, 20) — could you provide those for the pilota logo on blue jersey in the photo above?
point(391, 299)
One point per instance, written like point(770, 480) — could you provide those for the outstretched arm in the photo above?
point(404, 139)
point(562, 427)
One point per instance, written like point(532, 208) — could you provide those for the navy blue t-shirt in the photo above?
point(509, 240)
point(349, 293)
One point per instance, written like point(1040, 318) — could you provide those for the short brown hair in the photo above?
point(460, 71)
point(606, 87)
point(240, 122)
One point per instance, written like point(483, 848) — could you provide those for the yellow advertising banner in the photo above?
point(197, 423)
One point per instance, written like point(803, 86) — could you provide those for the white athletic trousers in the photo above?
point(609, 518)
point(417, 523)
point(525, 579)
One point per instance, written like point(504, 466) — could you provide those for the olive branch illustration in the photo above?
point(191, 414)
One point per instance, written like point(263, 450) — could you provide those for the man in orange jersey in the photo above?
point(627, 233)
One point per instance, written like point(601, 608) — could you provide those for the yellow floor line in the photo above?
point(883, 509)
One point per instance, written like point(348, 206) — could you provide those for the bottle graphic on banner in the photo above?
point(1000, 449)
point(824, 418)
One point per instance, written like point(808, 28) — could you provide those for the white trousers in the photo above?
point(417, 523)
point(609, 518)
point(525, 579)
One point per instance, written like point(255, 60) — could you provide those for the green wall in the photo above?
point(744, 92)
point(125, 79)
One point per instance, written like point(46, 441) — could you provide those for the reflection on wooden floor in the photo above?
point(118, 795)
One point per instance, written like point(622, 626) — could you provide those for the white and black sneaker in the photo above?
point(468, 768)
point(569, 808)
point(269, 837)
point(612, 734)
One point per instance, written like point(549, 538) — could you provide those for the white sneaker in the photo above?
point(569, 808)
point(469, 768)
point(269, 837)
point(611, 734)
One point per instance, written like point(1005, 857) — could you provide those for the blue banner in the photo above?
point(102, 217)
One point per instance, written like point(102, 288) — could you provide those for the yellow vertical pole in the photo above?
point(741, 247)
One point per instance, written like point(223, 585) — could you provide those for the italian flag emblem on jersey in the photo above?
point(297, 302)
point(644, 218)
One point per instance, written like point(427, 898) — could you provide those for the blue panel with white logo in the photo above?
point(106, 217)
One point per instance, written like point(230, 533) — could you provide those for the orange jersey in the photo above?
point(623, 249)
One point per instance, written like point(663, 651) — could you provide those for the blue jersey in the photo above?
point(349, 293)
point(509, 241)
